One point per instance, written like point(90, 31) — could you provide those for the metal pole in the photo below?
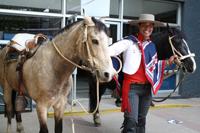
point(121, 13)
point(63, 13)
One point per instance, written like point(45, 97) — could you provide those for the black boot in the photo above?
point(129, 126)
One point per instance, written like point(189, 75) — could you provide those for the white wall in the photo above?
point(96, 7)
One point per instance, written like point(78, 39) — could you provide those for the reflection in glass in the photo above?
point(19, 24)
point(53, 6)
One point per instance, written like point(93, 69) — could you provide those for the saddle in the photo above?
point(24, 43)
point(22, 47)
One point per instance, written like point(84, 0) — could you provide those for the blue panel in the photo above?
point(8, 36)
point(170, 82)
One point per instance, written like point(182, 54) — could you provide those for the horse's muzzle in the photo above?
point(104, 76)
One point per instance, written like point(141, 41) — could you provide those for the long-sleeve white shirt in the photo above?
point(131, 54)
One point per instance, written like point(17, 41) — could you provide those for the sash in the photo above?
point(154, 68)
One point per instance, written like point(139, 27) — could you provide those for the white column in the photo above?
point(63, 13)
point(121, 14)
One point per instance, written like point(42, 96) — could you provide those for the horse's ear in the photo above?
point(169, 29)
point(88, 21)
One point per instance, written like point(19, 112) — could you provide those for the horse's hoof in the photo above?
point(97, 120)
point(118, 103)
point(20, 103)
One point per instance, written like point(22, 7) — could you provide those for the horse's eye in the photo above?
point(95, 41)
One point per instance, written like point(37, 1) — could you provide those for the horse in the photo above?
point(47, 74)
point(169, 42)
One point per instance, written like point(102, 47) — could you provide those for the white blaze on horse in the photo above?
point(47, 75)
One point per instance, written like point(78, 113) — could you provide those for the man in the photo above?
point(139, 64)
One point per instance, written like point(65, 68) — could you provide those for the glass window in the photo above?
point(18, 24)
point(53, 6)
point(73, 7)
point(129, 30)
point(114, 8)
point(163, 10)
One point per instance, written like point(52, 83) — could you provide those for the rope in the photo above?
point(165, 98)
point(73, 63)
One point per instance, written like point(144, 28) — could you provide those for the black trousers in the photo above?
point(140, 98)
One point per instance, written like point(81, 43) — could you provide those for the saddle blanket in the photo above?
point(20, 40)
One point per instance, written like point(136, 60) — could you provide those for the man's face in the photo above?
point(146, 29)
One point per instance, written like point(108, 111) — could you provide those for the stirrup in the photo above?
point(20, 103)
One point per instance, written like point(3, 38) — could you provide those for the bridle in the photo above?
point(179, 63)
point(90, 59)
point(176, 52)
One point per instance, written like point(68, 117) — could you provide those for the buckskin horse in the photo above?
point(47, 74)
point(169, 42)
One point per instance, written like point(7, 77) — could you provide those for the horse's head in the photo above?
point(93, 48)
point(180, 48)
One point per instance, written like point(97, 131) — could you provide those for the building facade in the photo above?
point(191, 27)
point(49, 16)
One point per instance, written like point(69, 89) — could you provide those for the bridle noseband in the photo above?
point(176, 52)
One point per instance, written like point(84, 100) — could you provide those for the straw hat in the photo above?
point(147, 18)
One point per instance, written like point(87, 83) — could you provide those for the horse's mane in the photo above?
point(161, 40)
point(66, 28)
point(169, 32)
point(98, 24)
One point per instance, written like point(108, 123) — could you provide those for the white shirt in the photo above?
point(131, 54)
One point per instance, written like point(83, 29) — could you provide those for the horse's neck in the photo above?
point(48, 55)
point(162, 45)
point(67, 42)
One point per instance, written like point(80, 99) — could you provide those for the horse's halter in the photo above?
point(84, 41)
point(88, 51)
point(176, 52)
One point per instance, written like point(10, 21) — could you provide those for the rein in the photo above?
point(169, 95)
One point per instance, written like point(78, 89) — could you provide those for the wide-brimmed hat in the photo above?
point(147, 18)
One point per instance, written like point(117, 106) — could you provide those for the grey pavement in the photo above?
point(176, 115)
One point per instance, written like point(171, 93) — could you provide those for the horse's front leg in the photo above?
point(59, 108)
point(20, 128)
point(9, 115)
point(42, 117)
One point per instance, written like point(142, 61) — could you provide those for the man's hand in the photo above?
point(173, 59)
